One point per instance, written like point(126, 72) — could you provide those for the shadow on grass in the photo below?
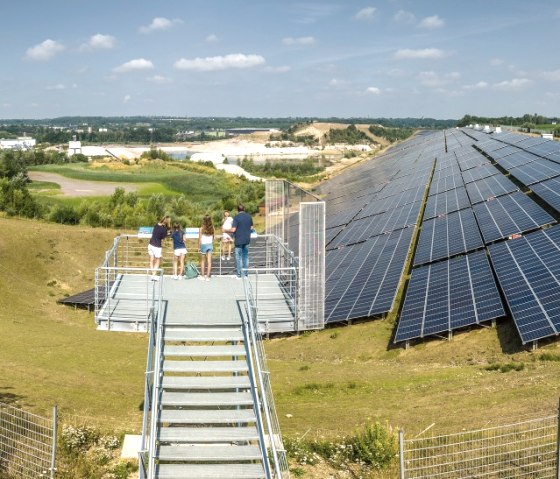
point(509, 339)
point(7, 397)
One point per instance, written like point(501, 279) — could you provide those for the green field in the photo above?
point(200, 183)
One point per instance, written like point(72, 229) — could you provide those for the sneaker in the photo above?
point(154, 278)
point(207, 279)
point(224, 258)
point(238, 277)
point(228, 258)
point(180, 277)
point(201, 278)
point(175, 277)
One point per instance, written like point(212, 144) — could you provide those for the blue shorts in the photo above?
point(206, 248)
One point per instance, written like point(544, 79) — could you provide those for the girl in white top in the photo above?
point(205, 243)
point(227, 239)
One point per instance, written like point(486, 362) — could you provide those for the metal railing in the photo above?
point(268, 424)
point(525, 449)
point(27, 444)
point(151, 397)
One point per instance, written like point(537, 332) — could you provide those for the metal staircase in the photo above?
point(208, 413)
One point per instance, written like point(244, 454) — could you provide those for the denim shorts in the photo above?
point(206, 248)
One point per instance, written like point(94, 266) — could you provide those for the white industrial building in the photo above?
point(22, 143)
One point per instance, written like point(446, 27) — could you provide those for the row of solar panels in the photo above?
point(369, 235)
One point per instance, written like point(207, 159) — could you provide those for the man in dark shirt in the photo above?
point(242, 226)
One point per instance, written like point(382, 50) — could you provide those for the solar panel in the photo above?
point(362, 280)
point(447, 236)
point(445, 203)
point(343, 217)
point(549, 191)
point(536, 171)
point(528, 271)
point(449, 295)
point(545, 148)
point(503, 152)
point(475, 174)
point(516, 159)
point(362, 229)
point(490, 187)
point(331, 234)
point(445, 183)
point(466, 162)
point(509, 214)
point(381, 205)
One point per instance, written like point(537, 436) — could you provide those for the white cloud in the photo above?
point(212, 38)
point(481, 85)
point(435, 80)
point(99, 42)
point(160, 23)
point(496, 62)
point(373, 90)
point(134, 65)
point(426, 53)
point(513, 84)
point(431, 23)
point(280, 69)
point(404, 17)
point(336, 82)
point(126, 98)
point(553, 75)
point(58, 86)
point(159, 79)
point(235, 60)
point(44, 51)
point(366, 13)
point(298, 41)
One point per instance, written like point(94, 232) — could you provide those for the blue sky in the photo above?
point(385, 58)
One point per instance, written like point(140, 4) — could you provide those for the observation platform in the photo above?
point(129, 302)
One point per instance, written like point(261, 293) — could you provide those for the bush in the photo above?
point(65, 215)
point(376, 446)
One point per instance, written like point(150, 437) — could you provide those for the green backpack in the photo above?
point(191, 271)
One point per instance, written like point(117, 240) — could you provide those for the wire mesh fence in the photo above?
point(526, 449)
point(27, 444)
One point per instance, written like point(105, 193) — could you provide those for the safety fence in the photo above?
point(27, 444)
point(268, 424)
point(524, 449)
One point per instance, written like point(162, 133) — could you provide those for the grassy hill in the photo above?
point(326, 383)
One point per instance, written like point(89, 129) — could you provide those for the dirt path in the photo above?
point(72, 187)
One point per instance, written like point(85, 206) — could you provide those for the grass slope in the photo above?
point(52, 354)
point(329, 382)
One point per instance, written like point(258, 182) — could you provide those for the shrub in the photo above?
point(375, 446)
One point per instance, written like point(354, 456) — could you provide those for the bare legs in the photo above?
point(206, 258)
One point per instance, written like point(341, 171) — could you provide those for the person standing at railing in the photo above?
point(227, 239)
point(159, 233)
point(206, 246)
point(241, 227)
point(179, 251)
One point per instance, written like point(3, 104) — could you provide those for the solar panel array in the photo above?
point(449, 295)
point(471, 208)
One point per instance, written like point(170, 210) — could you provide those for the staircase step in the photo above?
point(229, 453)
point(210, 471)
point(204, 351)
point(204, 366)
point(206, 334)
point(193, 435)
point(207, 416)
point(169, 399)
point(205, 382)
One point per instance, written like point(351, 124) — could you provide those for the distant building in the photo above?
point(74, 147)
point(22, 143)
point(247, 131)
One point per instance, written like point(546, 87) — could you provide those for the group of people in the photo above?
point(235, 231)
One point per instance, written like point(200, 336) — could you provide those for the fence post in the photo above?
point(558, 442)
point(401, 454)
point(53, 456)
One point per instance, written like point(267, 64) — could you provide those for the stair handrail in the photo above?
point(151, 398)
point(265, 398)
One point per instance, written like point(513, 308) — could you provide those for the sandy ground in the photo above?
point(71, 187)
